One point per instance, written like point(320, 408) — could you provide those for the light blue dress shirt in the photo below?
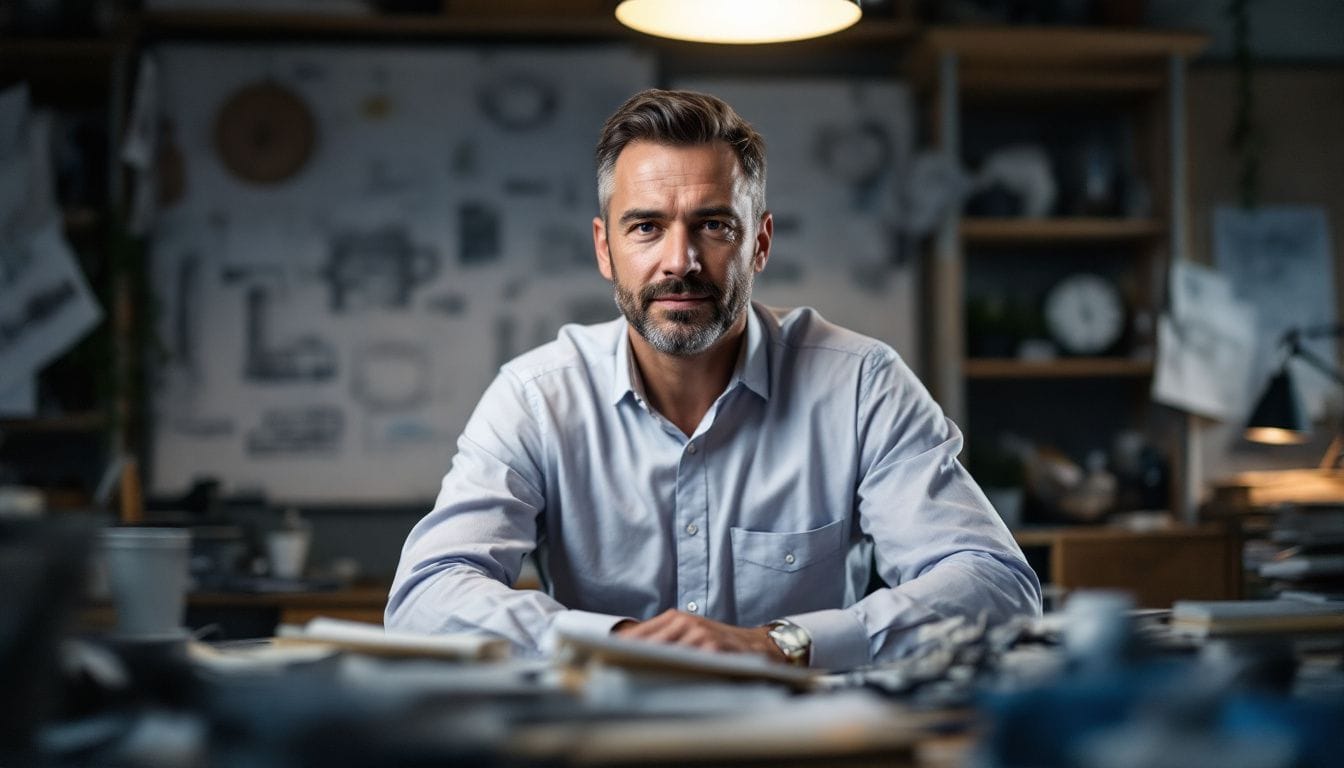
point(823, 458)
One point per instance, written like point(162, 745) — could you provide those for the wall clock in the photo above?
point(1085, 314)
point(264, 133)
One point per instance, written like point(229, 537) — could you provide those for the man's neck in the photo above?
point(682, 389)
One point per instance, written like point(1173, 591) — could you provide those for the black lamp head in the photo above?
point(1278, 418)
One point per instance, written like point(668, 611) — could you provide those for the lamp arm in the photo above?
point(1319, 363)
point(1293, 339)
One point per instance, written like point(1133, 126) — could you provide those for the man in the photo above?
point(706, 471)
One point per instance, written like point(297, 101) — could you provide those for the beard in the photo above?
point(686, 332)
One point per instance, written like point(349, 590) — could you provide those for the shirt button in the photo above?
point(691, 449)
point(691, 529)
point(789, 558)
point(692, 607)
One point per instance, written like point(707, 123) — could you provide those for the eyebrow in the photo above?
point(641, 214)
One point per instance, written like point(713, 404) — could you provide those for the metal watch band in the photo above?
point(792, 640)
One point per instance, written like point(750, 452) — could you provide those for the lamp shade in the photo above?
point(1278, 418)
point(738, 21)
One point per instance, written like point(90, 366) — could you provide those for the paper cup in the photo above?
point(287, 551)
point(147, 577)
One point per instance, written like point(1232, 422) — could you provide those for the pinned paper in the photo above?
point(45, 307)
point(1204, 344)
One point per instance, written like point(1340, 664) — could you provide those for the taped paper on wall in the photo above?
point(1203, 345)
point(45, 308)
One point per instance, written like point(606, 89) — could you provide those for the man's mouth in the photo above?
point(680, 300)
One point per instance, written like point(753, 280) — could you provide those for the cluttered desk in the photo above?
point(1226, 683)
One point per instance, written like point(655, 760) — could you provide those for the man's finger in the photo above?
point(645, 628)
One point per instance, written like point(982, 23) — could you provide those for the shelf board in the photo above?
point(990, 231)
point(554, 23)
point(1102, 47)
point(89, 421)
point(100, 49)
point(289, 24)
point(1053, 62)
point(1060, 368)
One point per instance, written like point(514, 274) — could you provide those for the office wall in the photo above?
point(331, 325)
point(1300, 112)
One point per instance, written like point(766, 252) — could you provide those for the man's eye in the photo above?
point(645, 228)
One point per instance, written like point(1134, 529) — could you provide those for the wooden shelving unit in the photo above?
point(1062, 368)
point(1130, 79)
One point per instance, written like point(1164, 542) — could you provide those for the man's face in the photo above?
point(679, 243)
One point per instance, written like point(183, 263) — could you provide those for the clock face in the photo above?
point(1085, 314)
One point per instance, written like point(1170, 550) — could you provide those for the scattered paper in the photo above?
point(372, 638)
point(1204, 344)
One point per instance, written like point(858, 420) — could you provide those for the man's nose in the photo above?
point(682, 256)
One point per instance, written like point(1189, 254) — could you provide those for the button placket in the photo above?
point(692, 548)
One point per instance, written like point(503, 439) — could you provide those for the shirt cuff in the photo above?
point(581, 624)
point(839, 640)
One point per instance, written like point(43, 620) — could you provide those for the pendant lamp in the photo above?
point(738, 21)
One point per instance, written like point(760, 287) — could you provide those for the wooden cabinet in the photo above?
point(1103, 111)
point(1157, 567)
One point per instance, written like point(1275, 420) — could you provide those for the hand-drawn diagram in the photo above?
point(378, 269)
point(346, 309)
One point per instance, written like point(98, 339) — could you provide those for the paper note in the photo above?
point(1204, 344)
point(371, 638)
point(45, 307)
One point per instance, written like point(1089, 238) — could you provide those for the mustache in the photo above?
point(679, 285)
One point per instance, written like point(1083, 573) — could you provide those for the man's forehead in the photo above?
point(645, 157)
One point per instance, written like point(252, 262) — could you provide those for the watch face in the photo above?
point(1085, 314)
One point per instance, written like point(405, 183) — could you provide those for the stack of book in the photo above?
point(1216, 618)
point(1309, 563)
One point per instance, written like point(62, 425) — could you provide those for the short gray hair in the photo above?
point(680, 118)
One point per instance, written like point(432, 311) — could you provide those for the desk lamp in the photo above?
point(738, 21)
point(1278, 418)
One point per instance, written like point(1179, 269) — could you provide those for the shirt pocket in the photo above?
point(776, 574)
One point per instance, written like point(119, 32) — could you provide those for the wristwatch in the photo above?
point(793, 641)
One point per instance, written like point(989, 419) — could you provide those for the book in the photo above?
point(1303, 566)
point(1203, 618)
point(373, 639)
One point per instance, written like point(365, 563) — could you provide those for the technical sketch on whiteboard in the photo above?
point(330, 333)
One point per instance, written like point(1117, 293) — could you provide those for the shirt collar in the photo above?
point(753, 364)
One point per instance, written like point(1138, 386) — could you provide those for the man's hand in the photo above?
point(681, 628)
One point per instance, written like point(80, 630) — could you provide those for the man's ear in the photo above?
point(600, 247)
point(765, 234)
